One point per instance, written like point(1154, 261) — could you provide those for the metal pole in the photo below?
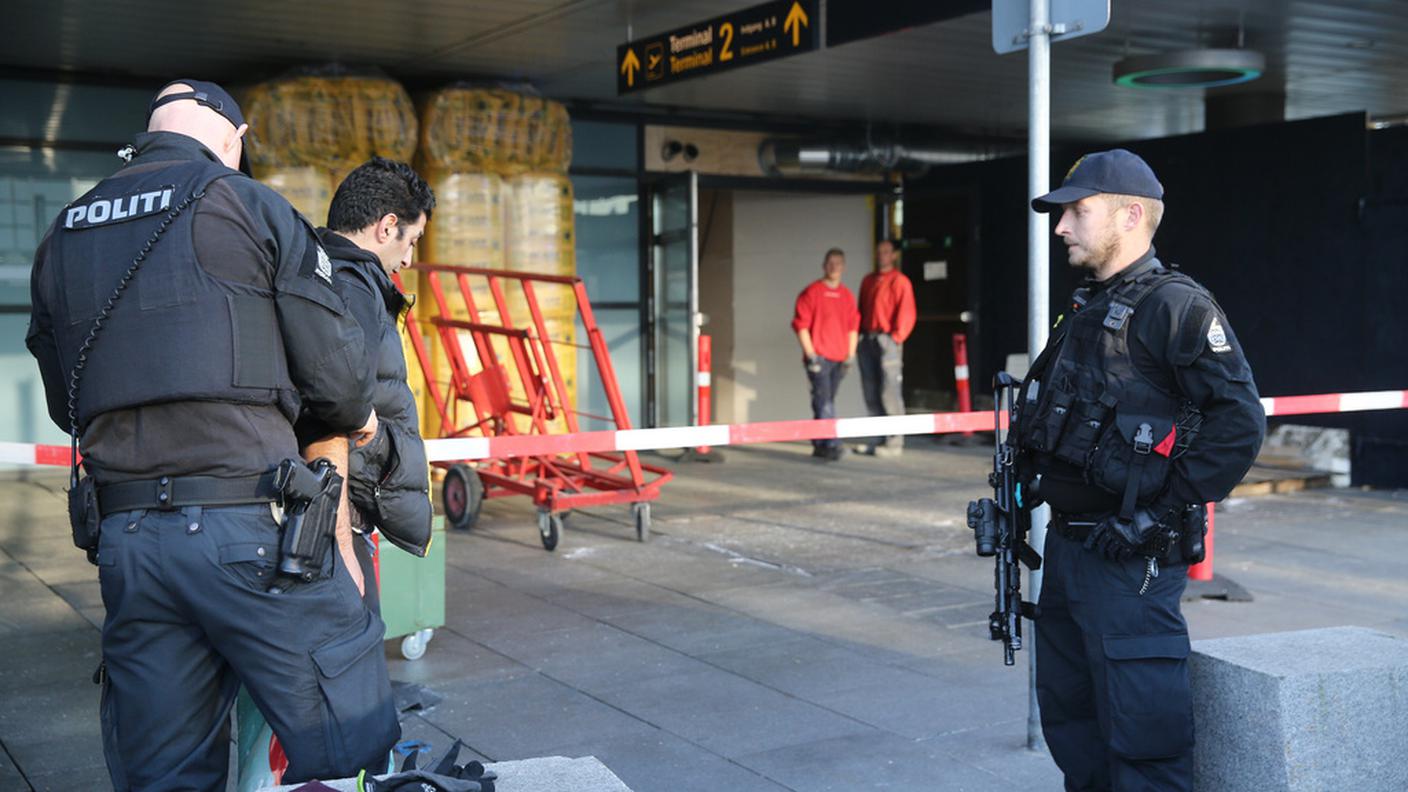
point(693, 320)
point(1038, 280)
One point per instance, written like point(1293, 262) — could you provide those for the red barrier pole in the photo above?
point(960, 372)
point(1203, 569)
point(706, 364)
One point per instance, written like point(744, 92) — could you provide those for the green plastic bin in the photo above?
point(413, 592)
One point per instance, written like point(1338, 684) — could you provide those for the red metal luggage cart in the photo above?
point(514, 386)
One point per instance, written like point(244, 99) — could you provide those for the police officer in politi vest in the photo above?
point(1140, 410)
point(184, 318)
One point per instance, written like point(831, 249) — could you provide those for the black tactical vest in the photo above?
point(175, 333)
point(1086, 405)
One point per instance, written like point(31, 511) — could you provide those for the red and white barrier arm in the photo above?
point(781, 431)
point(1336, 403)
point(31, 454)
point(469, 448)
point(713, 435)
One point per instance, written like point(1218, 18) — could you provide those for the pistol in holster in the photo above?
point(309, 494)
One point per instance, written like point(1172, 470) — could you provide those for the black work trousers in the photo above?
point(190, 618)
point(824, 385)
point(1112, 672)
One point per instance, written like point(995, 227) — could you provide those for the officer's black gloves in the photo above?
point(1118, 539)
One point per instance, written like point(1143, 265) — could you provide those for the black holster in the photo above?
point(1192, 541)
point(310, 494)
point(83, 515)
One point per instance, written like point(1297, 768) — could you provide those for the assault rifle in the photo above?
point(1001, 523)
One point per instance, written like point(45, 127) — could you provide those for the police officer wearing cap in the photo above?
point(184, 317)
point(1140, 409)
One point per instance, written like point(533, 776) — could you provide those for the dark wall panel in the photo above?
point(1300, 230)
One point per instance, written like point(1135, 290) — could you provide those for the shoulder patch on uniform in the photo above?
point(1217, 337)
point(324, 268)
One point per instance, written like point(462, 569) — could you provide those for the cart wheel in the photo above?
point(641, 511)
point(550, 528)
point(462, 495)
point(413, 645)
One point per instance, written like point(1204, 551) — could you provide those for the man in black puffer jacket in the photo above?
point(377, 215)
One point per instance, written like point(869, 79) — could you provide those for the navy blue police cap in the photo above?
point(1115, 172)
point(205, 93)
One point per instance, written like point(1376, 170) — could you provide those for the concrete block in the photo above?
point(556, 774)
point(543, 774)
point(1304, 711)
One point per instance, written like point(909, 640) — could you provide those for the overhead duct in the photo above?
point(782, 157)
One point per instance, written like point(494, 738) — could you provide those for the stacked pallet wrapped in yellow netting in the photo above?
point(307, 132)
point(497, 161)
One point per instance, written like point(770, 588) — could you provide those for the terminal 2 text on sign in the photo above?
point(752, 35)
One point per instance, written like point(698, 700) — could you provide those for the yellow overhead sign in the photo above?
point(752, 35)
point(629, 66)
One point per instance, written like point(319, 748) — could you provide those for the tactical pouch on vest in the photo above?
point(1192, 544)
point(83, 515)
point(1083, 430)
point(310, 497)
point(1051, 423)
point(1131, 459)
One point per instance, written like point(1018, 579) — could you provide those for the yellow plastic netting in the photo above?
point(497, 160)
point(494, 130)
point(467, 230)
point(307, 132)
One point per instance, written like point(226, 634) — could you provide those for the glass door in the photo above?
point(674, 300)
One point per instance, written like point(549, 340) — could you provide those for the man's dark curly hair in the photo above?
point(376, 188)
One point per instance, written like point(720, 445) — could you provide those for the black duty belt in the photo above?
point(1075, 527)
point(170, 492)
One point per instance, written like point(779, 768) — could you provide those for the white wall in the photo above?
point(778, 243)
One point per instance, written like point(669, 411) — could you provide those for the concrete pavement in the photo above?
point(791, 625)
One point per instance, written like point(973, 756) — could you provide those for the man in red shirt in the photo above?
point(826, 321)
point(886, 320)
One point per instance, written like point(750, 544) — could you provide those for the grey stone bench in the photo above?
point(1312, 710)
point(544, 774)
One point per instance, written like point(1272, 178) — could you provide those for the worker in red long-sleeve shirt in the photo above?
point(886, 319)
point(826, 321)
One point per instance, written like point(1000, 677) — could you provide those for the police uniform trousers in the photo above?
point(190, 619)
point(1112, 672)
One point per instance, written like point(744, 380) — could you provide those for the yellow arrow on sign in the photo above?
point(796, 20)
point(629, 66)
